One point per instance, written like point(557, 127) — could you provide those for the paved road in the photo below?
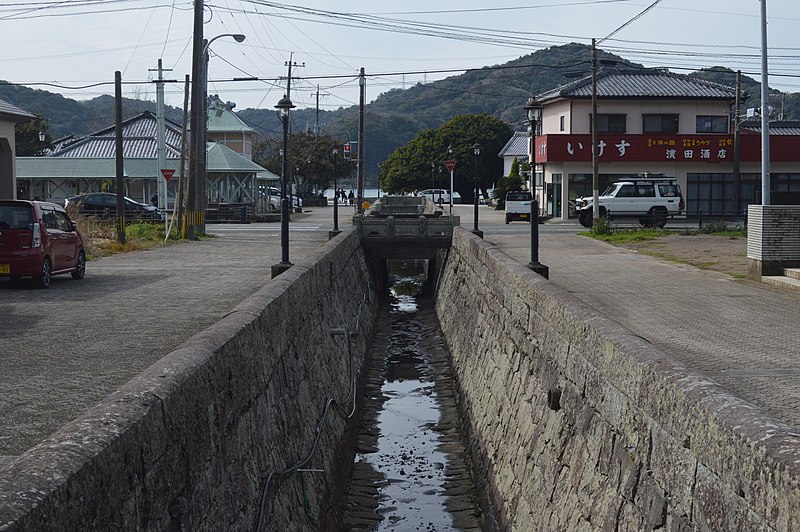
point(67, 347)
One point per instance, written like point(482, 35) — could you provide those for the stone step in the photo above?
point(794, 273)
point(782, 281)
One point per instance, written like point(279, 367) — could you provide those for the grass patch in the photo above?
point(624, 236)
point(100, 236)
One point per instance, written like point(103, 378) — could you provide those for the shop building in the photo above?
point(653, 122)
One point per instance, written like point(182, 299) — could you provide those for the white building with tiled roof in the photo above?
point(654, 122)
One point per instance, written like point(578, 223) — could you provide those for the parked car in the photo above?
point(275, 198)
point(651, 200)
point(437, 195)
point(37, 239)
point(518, 205)
point(104, 205)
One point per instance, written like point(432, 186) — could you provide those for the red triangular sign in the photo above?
point(167, 173)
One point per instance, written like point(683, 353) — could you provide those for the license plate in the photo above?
point(523, 216)
point(5, 268)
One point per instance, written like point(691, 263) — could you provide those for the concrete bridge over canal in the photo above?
point(575, 418)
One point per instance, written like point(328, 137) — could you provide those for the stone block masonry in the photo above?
point(575, 423)
point(188, 444)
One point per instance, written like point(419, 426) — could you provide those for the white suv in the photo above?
point(650, 200)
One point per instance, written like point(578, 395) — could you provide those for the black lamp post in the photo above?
point(534, 110)
point(476, 150)
point(331, 234)
point(284, 104)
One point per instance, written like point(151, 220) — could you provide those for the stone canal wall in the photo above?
point(577, 424)
point(189, 443)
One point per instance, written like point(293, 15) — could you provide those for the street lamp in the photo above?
point(476, 150)
point(196, 197)
point(534, 110)
point(283, 105)
point(451, 168)
point(331, 234)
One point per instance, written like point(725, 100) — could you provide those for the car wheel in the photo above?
point(658, 218)
point(80, 266)
point(585, 219)
point(507, 219)
point(46, 274)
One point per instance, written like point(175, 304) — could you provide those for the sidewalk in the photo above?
point(742, 335)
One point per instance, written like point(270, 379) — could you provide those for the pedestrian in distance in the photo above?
point(351, 198)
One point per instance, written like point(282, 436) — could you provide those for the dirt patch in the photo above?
point(724, 254)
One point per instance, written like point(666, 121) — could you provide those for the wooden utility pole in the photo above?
point(120, 166)
point(362, 83)
point(197, 143)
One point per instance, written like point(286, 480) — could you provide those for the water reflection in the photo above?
point(412, 495)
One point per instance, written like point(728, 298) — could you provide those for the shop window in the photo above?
point(660, 123)
point(712, 124)
point(611, 123)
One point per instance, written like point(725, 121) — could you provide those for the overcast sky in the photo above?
point(82, 42)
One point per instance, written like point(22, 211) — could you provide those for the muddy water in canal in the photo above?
point(410, 471)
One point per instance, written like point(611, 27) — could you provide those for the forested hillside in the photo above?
point(396, 116)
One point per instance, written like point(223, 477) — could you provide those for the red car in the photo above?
point(37, 239)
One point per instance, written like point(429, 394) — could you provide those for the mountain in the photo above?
point(396, 116)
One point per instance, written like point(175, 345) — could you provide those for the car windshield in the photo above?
point(518, 196)
point(15, 217)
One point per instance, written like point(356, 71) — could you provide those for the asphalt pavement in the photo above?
point(65, 348)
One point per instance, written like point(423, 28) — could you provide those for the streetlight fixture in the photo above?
point(476, 150)
point(534, 110)
point(331, 234)
point(284, 105)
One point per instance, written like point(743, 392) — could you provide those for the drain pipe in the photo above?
point(351, 396)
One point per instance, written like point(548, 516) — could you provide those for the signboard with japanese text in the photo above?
point(621, 148)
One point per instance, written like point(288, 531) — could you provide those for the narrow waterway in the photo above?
point(410, 471)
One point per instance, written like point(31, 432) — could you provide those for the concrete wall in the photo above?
point(577, 424)
point(188, 443)
point(773, 239)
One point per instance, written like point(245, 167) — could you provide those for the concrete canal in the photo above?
point(410, 470)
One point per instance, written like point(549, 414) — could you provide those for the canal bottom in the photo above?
point(410, 471)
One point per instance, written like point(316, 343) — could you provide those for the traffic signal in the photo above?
point(347, 151)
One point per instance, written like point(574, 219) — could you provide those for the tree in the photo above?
point(27, 137)
point(513, 181)
point(310, 165)
point(408, 167)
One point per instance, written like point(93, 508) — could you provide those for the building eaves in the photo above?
point(638, 84)
point(13, 113)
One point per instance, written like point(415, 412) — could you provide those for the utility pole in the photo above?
point(316, 127)
point(737, 176)
point(362, 83)
point(161, 157)
point(183, 181)
point(197, 141)
point(595, 159)
point(120, 166)
point(289, 165)
point(765, 177)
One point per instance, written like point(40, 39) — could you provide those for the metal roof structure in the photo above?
point(221, 160)
point(640, 84)
point(517, 146)
point(138, 140)
point(93, 155)
point(781, 127)
point(222, 119)
point(13, 113)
